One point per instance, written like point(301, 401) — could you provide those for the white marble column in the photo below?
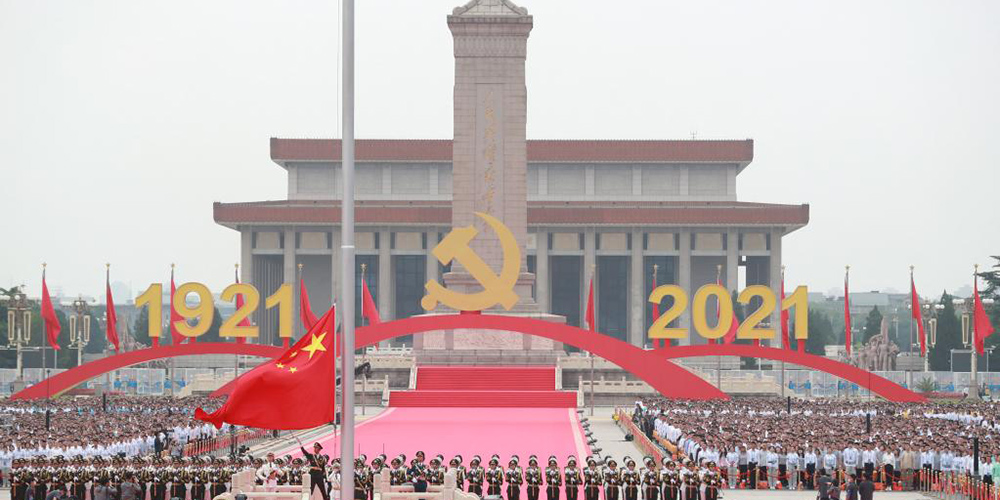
point(732, 261)
point(636, 302)
point(246, 269)
point(288, 274)
point(335, 269)
point(433, 266)
point(684, 281)
point(385, 276)
point(542, 279)
point(775, 282)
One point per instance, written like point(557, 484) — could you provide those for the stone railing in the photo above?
point(616, 386)
point(580, 362)
point(448, 491)
point(243, 483)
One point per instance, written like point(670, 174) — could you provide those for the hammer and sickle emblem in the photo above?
point(497, 289)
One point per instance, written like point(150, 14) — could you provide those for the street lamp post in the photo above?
point(79, 328)
point(18, 326)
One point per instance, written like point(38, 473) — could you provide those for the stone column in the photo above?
point(684, 281)
point(335, 268)
point(246, 268)
point(384, 298)
point(775, 282)
point(636, 302)
point(542, 283)
point(489, 151)
point(732, 261)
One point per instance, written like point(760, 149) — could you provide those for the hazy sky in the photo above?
point(121, 122)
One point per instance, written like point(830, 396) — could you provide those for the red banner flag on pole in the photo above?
point(917, 314)
point(175, 317)
point(305, 310)
point(847, 311)
point(786, 341)
point(111, 324)
point(302, 379)
point(980, 321)
point(368, 309)
point(52, 327)
point(239, 305)
point(591, 320)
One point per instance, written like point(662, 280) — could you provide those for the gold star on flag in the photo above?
point(316, 344)
point(293, 369)
point(292, 355)
point(279, 365)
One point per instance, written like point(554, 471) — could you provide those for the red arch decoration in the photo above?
point(652, 366)
point(60, 383)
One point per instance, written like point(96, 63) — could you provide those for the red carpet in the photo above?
point(468, 431)
point(484, 386)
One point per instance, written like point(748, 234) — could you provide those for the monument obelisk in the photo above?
point(489, 155)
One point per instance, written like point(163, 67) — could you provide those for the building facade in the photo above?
point(614, 209)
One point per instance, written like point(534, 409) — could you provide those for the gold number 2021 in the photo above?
point(748, 329)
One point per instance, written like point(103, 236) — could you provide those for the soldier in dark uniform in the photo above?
point(669, 480)
point(572, 478)
point(434, 473)
point(533, 477)
point(631, 479)
point(18, 483)
point(494, 476)
point(476, 475)
point(553, 479)
point(514, 478)
point(219, 476)
point(712, 480)
point(418, 464)
point(592, 480)
point(41, 477)
point(158, 490)
point(397, 475)
point(650, 479)
point(691, 482)
point(78, 479)
point(456, 465)
point(362, 481)
point(199, 478)
point(317, 470)
point(612, 480)
point(178, 480)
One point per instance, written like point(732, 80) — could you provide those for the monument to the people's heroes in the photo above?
point(489, 157)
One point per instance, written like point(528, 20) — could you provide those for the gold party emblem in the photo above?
point(497, 289)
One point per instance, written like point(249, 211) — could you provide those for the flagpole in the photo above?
point(781, 328)
point(974, 379)
point(364, 355)
point(347, 254)
point(718, 358)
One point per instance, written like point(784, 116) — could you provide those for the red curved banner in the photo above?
point(652, 366)
point(59, 383)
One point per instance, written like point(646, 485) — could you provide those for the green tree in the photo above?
point(873, 324)
point(949, 335)
point(140, 329)
point(820, 333)
point(212, 335)
point(992, 290)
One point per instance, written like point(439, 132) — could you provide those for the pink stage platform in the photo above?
point(468, 432)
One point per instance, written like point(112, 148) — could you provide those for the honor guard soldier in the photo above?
point(199, 478)
point(533, 478)
point(456, 465)
point(397, 475)
point(631, 479)
point(670, 480)
point(18, 485)
point(178, 478)
point(79, 478)
point(612, 480)
point(418, 464)
point(514, 476)
point(553, 479)
point(650, 479)
point(476, 475)
point(158, 490)
point(712, 480)
point(592, 480)
point(362, 479)
point(494, 477)
point(692, 483)
point(435, 474)
point(317, 471)
point(42, 476)
point(218, 477)
point(573, 478)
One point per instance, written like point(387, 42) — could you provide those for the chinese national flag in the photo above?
point(175, 318)
point(111, 325)
point(294, 391)
point(591, 321)
point(368, 309)
point(980, 322)
point(305, 309)
point(52, 327)
point(918, 316)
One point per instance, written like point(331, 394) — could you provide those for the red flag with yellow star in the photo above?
point(294, 391)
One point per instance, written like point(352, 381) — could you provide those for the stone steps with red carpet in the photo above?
point(484, 386)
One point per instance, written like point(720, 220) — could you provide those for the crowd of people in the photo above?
point(100, 427)
point(759, 443)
